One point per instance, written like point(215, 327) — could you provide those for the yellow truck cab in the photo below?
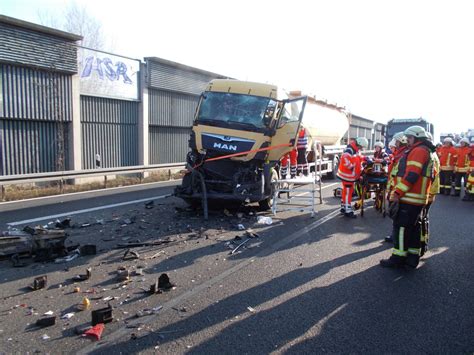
point(240, 131)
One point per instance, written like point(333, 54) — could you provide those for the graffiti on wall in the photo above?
point(107, 75)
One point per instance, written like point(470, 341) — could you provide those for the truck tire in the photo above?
point(335, 166)
point(267, 204)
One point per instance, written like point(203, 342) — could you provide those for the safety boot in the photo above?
point(389, 239)
point(350, 214)
point(412, 260)
point(393, 262)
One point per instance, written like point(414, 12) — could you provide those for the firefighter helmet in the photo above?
point(465, 141)
point(430, 136)
point(362, 142)
point(392, 143)
point(378, 144)
point(416, 131)
point(400, 136)
point(448, 140)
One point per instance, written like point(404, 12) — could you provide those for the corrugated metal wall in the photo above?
point(39, 50)
point(34, 94)
point(170, 119)
point(110, 128)
point(35, 111)
point(28, 146)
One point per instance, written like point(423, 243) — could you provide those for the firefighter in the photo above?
point(447, 156)
point(434, 190)
point(400, 142)
point(469, 193)
point(380, 153)
point(410, 194)
point(302, 146)
point(349, 172)
point(462, 165)
point(291, 157)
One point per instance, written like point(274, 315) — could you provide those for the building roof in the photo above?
point(39, 28)
point(184, 67)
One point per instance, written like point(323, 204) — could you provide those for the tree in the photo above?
point(77, 20)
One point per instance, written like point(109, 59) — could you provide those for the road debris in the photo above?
point(95, 331)
point(84, 305)
point(149, 205)
point(103, 315)
point(39, 283)
point(164, 282)
point(130, 255)
point(238, 246)
point(148, 312)
point(68, 315)
point(46, 322)
point(88, 249)
point(264, 220)
point(83, 277)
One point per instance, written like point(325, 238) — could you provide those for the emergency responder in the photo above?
point(462, 165)
point(434, 190)
point(302, 146)
point(469, 193)
point(447, 158)
point(400, 142)
point(380, 153)
point(412, 186)
point(349, 172)
point(291, 159)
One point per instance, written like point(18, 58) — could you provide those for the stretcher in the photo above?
point(373, 181)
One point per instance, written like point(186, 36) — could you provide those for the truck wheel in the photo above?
point(335, 166)
point(267, 204)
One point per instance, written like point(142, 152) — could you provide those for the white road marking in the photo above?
point(71, 213)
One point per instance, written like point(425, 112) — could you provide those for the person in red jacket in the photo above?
point(469, 193)
point(461, 167)
point(349, 172)
point(410, 193)
point(291, 157)
point(447, 159)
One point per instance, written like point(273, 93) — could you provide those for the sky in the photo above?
point(380, 59)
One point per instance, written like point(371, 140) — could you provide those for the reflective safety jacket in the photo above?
point(302, 142)
point(447, 157)
point(435, 184)
point(462, 160)
point(415, 174)
point(393, 167)
point(350, 164)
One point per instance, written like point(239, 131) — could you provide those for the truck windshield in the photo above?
point(245, 109)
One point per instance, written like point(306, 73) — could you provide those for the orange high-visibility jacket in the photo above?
point(462, 160)
point(447, 157)
point(350, 164)
point(415, 174)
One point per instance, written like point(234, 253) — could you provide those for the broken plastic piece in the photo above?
point(46, 322)
point(154, 288)
point(66, 223)
point(164, 282)
point(83, 277)
point(103, 315)
point(67, 315)
point(95, 331)
point(39, 282)
point(264, 220)
point(130, 255)
point(81, 329)
point(123, 275)
point(85, 304)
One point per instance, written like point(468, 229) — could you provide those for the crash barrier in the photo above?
point(64, 176)
point(299, 194)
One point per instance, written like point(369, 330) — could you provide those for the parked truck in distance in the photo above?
point(241, 130)
point(401, 124)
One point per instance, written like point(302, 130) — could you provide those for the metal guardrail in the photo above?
point(62, 176)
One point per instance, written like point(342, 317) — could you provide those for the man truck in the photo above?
point(242, 129)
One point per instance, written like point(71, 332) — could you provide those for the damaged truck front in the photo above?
point(240, 132)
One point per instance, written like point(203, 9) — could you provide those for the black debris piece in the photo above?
point(154, 288)
point(65, 223)
point(39, 283)
point(103, 315)
point(149, 205)
point(46, 322)
point(83, 277)
point(164, 282)
point(130, 255)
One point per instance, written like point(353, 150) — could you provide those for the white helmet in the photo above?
point(393, 143)
point(430, 136)
point(416, 131)
point(379, 144)
point(400, 136)
point(465, 141)
point(448, 140)
point(362, 142)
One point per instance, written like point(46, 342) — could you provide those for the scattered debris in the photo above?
point(81, 329)
point(66, 223)
point(227, 213)
point(123, 274)
point(84, 305)
point(46, 322)
point(148, 312)
point(67, 315)
point(45, 337)
point(76, 289)
point(130, 255)
point(164, 282)
point(85, 277)
point(240, 227)
point(154, 288)
point(49, 313)
point(155, 255)
point(137, 243)
point(76, 253)
point(103, 315)
point(251, 309)
point(238, 246)
point(85, 225)
point(149, 205)
point(39, 283)
point(95, 331)
point(264, 220)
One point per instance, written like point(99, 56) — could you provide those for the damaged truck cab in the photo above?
point(240, 131)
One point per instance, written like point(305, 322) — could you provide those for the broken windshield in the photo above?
point(244, 109)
